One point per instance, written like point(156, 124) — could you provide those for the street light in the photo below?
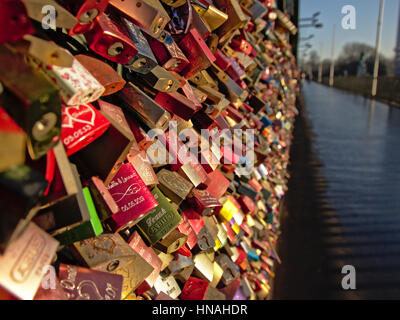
point(307, 38)
point(312, 25)
point(314, 16)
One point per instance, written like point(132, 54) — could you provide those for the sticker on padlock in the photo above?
point(77, 86)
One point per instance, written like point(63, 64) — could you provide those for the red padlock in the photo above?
point(80, 126)
point(110, 41)
point(14, 21)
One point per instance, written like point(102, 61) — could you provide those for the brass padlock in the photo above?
point(110, 253)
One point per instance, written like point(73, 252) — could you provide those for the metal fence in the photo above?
point(388, 87)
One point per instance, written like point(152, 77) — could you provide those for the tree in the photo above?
point(348, 61)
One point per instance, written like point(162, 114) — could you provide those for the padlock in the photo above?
point(222, 60)
point(110, 253)
point(247, 289)
point(132, 196)
point(160, 79)
point(202, 120)
point(180, 267)
point(186, 228)
point(174, 3)
point(199, 23)
point(194, 173)
point(160, 221)
point(231, 272)
point(135, 100)
point(247, 190)
point(151, 257)
point(111, 41)
point(21, 266)
point(206, 240)
point(194, 219)
point(176, 104)
point(50, 292)
point(179, 153)
point(211, 223)
point(213, 16)
point(20, 188)
point(163, 296)
point(117, 143)
point(194, 289)
point(217, 274)
point(168, 285)
point(15, 21)
point(149, 15)
point(103, 201)
point(104, 74)
point(43, 50)
point(118, 116)
point(80, 126)
point(217, 98)
point(81, 220)
point(86, 12)
point(203, 267)
point(12, 142)
point(169, 55)
point(197, 52)
point(217, 184)
point(203, 78)
point(32, 101)
point(85, 284)
point(174, 186)
point(204, 202)
point(77, 86)
point(209, 161)
point(237, 18)
point(142, 165)
point(214, 294)
point(172, 242)
point(189, 92)
point(144, 60)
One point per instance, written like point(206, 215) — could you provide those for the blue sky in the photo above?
point(366, 17)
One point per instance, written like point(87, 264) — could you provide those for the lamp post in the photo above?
point(332, 71)
point(320, 64)
point(378, 45)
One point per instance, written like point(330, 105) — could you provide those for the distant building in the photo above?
point(397, 50)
